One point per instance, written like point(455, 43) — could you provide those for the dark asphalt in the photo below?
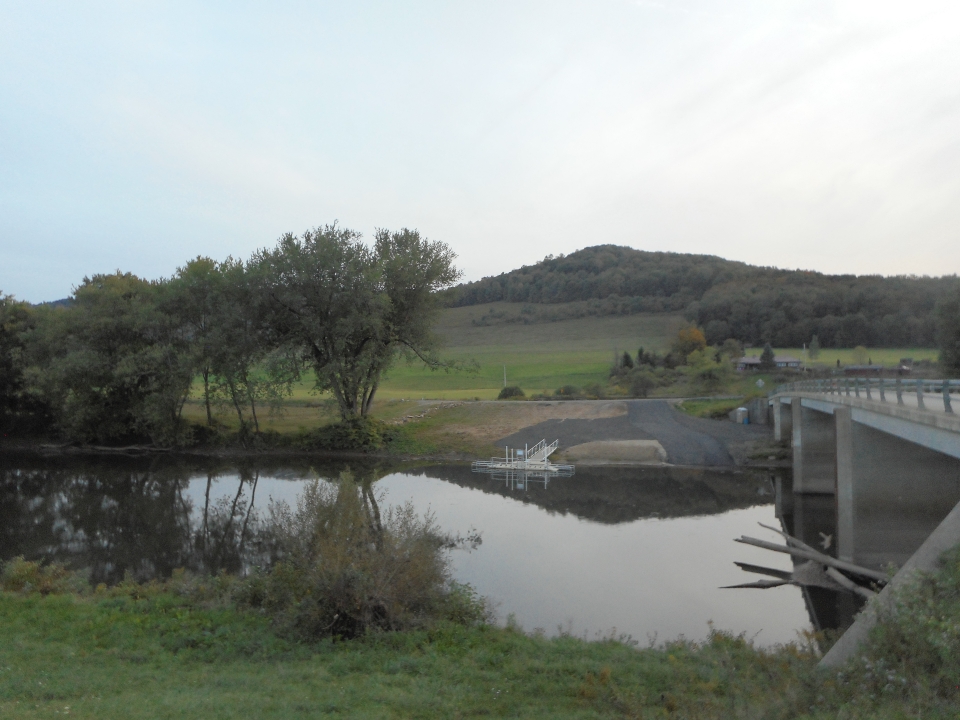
point(687, 440)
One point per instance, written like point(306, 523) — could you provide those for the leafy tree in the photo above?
point(250, 364)
point(814, 350)
point(707, 370)
point(641, 383)
point(113, 366)
point(689, 340)
point(948, 334)
point(768, 360)
point(194, 294)
point(19, 410)
point(732, 349)
point(351, 309)
point(232, 348)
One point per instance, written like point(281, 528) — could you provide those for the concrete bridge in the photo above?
point(887, 450)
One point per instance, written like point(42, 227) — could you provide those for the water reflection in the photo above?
point(643, 550)
point(133, 517)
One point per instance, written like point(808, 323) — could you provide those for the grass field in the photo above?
point(538, 357)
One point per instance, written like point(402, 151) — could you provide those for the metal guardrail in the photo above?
point(880, 389)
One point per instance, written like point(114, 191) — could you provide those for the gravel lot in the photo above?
point(687, 440)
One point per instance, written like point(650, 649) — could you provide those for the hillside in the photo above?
point(753, 304)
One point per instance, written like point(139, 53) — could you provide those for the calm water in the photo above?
point(641, 551)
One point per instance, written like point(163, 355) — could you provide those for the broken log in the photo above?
point(811, 554)
point(848, 584)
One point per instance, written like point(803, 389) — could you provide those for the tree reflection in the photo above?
point(120, 517)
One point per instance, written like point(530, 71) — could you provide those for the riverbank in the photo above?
point(181, 649)
point(457, 431)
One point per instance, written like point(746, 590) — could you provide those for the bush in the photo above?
point(511, 391)
point(360, 433)
point(641, 383)
point(568, 391)
point(20, 575)
point(594, 390)
point(345, 569)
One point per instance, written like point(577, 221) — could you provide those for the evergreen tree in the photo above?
point(767, 359)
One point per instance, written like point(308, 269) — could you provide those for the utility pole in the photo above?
point(504, 375)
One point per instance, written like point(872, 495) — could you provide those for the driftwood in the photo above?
point(848, 584)
point(819, 570)
point(808, 573)
point(810, 554)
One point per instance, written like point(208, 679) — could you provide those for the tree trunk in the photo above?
point(206, 394)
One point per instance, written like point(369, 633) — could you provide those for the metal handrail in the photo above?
point(923, 387)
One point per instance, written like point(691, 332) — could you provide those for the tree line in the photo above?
point(754, 305)
point(117, 362)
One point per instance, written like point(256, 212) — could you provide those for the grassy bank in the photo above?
point(182, 650)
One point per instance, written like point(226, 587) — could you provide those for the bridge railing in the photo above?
point(892, 390)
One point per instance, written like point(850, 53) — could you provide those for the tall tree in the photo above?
point(113, 365)
point(194, 294)
point(353, 309)
point(18, 409)
point(768, 360)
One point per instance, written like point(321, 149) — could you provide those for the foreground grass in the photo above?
point(159, 657)
point(181, 649)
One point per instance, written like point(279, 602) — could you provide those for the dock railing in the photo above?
point(892, 390)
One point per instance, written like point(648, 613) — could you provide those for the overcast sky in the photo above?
point(815, 134)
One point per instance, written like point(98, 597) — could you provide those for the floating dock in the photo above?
point(528, 461)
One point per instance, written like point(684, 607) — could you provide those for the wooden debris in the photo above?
point(819, 570)
point(817, 556)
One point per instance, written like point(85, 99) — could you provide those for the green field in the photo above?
point(538, 357)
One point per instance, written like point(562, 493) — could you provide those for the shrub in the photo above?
point(641, 383)
point(21, 575)
point(345, 569)
point(568, 391)
point(511, 391)
point(594, 390)
point(360, 433)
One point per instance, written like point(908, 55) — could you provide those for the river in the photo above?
point(611, 551)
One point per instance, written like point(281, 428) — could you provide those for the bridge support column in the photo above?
point(777, 423)
point(814, 450)
point(843, 420)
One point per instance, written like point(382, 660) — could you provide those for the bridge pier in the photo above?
point(782, 421)
point(814, 450)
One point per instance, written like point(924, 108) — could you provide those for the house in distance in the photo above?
point(753, 362)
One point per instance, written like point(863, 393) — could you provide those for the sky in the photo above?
point(819, 134)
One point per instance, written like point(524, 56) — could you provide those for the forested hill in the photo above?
point(726, 298)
